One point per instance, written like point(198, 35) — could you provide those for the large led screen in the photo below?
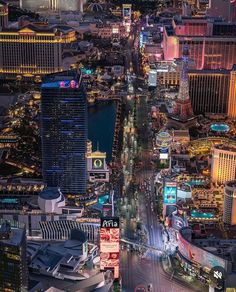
point(170, 192)
point(110, 245)
point(198, 255)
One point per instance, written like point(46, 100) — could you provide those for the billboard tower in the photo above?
point(169, 196)
point(127, 12)
point(110, 245)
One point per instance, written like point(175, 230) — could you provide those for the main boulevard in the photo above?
point(140, 262)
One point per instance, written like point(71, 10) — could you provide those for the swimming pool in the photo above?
point(219, 127)
point(8, 201)
point(203, 215)
point(196, 183)
point(103, 199)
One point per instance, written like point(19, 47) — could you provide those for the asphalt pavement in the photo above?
point(137, 269)
point(142, 269)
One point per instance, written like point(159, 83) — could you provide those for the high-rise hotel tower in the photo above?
point(223, 166)
point(13, 261)
point(64, 132)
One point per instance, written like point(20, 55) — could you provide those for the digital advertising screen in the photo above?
point(152, 78)
point(61, 84)
point(170, 192)
point(107, 209)
point(110, 245)
point(127, 10)
point(164, 153)
point(196, 254)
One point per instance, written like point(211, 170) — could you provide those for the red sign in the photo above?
point(109, 248)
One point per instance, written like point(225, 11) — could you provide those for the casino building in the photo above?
point(210, 91)
point(223, 166)
point(55, 5)
point(33, 50)
point(211, 43)
point(232, 94)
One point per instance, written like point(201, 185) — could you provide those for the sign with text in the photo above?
point(170, 192)
point(110, 245)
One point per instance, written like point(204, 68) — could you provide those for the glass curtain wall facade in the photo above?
point(64, 132)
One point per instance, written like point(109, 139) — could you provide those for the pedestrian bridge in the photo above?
point(143, 245)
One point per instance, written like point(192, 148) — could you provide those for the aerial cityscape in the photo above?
point(117, 145)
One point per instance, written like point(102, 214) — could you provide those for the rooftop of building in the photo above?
point(90, 284)
point(97, 154)
point(40, 27)
point(231, 184)
point(225, 147)
point(55, 79)
point(47, 256)
point(50, 193)
point(180, 133)
point(205, 71)
point(2, 3)
point(220, 29)
point(11, 233)
point(183, 19)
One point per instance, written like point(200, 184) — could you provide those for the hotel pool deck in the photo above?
point(201, 215)
point(219, 128)
point(103, 199)
point(196, 183)
point(9, 201)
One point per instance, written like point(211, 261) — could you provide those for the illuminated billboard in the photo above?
point(61, 84)
point(127, 10)
point(152, 78)
point(110, 245)
point(143, 39)
point(196, 254)
point(107, 209)
point(164, 153)
point(170, 192)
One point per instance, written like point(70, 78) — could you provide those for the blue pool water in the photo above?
point(8, 201)
point(219, 127)
point(103, 199)
point(196, 183)
point(199, 214)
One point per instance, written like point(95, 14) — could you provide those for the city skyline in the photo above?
point(117, 145)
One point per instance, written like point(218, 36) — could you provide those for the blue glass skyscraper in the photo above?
point(64, 132)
